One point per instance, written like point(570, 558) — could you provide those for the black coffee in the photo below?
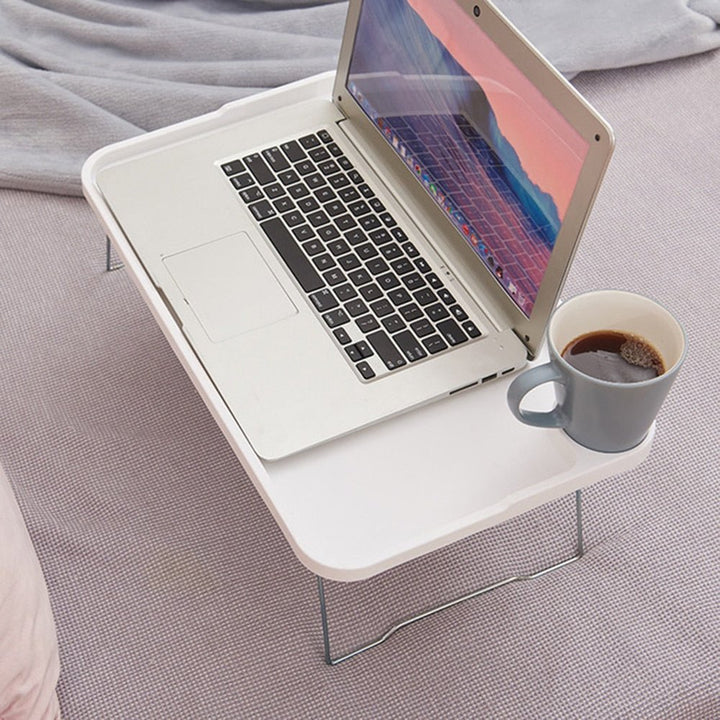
point(614, 357)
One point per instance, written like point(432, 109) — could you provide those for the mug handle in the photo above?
point(523, 384)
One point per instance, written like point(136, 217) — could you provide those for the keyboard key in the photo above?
point(434, 281)
point(329, 167)
point(399, 296)
point(334, 208)
point(251, 194)
point(353, 353)
point(262, 210)
point(411, 312)
point(434, 344)
point(328, 232)
point(382, 307)
point(298, 191)
point(471, 329)
point(446, 296)
point(258, 167)
point(275, 190)
point(452, 332)
point(242, 181)
point(457, 312)
point(365, 370)
point(338, 247)
point(324, 300)
point(366, 251)
point(335, 149)
point(387, 219)
point(376, 205)
point(344, 163)
point(318, 154)
point(367, 323)
point(413, 281)
point(313, 247)
point(304, 232)
point(356, 307)
point(335, 317)
point(402, 266)
point(296, 260)
point(410, 346)
point(325, 136)
point(283, 204)
point(233, 167)
point(410, 250)
point(345, 222)
point(315, 181)
point(437, 312)
point(349, 261)
point(288, 177)
point(323, 262)
point(391, 251)
point(293, 218)
point(334, 276)
point(275, 159)
point(309, 141)
point(318, 218)
point(422, 328)
point(393, 323)
point(360, 207)
point(399, 234)
point(356, 177)
point(422, 265)
point(364, 349)
point(348, 194)
point(304, 167)
point(388, 281)
point(338, 181)
point(369, 222)
point(308, 204)
point(355, 236)
point(425, 296)
point(345, 292)
point(380, 237)
point(371, 292)
point(378, 265)
point(341, 335)
point(293, 150)
point(359, 277)
point(365, 190)
point(325, 194)
point(387, 351)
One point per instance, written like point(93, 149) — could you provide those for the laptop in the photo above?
point(336, 261)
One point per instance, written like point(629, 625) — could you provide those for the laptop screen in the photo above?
point(487, 146)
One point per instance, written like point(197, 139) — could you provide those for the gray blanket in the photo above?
point(79, 74)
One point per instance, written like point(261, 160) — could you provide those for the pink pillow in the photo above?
point(29, 662)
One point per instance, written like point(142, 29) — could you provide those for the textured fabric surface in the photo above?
point(175, 594)
point(29, 661)
point(79, 74)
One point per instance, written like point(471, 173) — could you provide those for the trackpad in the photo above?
point(229, 286)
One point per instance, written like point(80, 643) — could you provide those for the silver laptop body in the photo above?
point(479, 162)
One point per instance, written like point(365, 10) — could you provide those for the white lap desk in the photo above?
point(379, 497)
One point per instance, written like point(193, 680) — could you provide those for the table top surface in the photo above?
point(379, 497)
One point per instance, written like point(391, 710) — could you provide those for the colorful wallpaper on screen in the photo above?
point(487, 146)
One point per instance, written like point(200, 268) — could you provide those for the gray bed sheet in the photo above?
point(175, 593)
point(79, 74)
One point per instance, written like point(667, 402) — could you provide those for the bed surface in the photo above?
point(175, 594)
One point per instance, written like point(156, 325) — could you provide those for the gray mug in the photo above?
point(600, 414)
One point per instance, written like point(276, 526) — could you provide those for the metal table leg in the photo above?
point(111, 265)
point(579, 550)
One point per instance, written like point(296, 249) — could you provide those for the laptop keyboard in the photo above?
point(371, 287)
